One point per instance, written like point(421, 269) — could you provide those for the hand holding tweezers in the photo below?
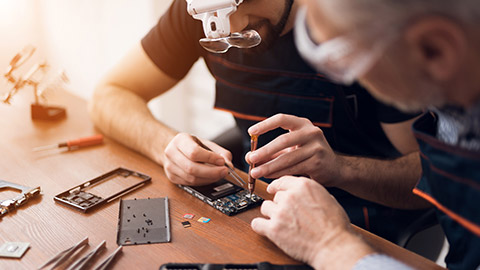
point(231, 171)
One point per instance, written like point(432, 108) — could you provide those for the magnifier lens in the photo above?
point(217, 45)
point(243, 40)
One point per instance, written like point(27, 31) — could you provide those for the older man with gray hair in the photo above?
point(415, 54)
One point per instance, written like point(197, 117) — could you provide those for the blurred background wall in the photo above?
point(87, 37)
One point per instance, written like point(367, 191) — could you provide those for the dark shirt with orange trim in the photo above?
point(254, 86)
point(450, 154)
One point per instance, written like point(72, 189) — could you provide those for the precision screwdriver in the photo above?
point(251, 180)
point(74, 144)
point(231, 171)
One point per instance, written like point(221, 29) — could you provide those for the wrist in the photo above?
point(341, 252)
point(158, 143)
point(347, 171)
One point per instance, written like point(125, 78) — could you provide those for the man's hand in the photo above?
point(302, 151)
point(187, 163)
point(307, 223)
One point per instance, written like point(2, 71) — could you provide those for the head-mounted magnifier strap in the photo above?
point(214, 14)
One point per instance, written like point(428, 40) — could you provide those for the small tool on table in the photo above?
point(231, 171)
point(64, 255)
point(74, 144)
point(251, 180)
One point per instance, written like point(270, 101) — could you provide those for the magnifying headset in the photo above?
point(215, 17)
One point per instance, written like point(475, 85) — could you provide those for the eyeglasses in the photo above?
point(342, 59)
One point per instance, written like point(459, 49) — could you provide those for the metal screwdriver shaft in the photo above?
point(251, 180)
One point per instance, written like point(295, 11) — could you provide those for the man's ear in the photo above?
point(439, 46)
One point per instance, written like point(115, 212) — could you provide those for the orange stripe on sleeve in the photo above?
point(261, 118)
point(367, 220)
point(464, 222)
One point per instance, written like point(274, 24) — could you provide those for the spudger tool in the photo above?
point(64, 255)
point(74, 144)
point(231, 171)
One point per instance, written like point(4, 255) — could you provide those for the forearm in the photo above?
point(125, 117)
point(388, 182)
point(343, 252)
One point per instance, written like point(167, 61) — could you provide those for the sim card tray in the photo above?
point(80, 199)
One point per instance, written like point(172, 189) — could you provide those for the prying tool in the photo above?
point(74, 144)
point(231, 171)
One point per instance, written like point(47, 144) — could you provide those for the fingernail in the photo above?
point(253, 157)
point(220, 162)
point(252, 130)
point(254, 172)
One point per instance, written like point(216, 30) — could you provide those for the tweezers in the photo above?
point(65, 255)
point(104, 265)
point(231, 171)
point(84, 262)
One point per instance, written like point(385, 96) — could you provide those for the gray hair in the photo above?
point(353, 14)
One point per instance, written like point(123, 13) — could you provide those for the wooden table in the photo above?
point(51, 227)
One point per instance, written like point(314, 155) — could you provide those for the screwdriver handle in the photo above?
point(85, 141)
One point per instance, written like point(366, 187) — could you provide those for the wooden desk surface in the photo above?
point(51, 227)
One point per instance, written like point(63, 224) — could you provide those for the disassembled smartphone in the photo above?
point(102, 189)
point(224, 196)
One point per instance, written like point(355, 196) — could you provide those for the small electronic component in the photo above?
point(189, 216)
point(144, 221)
point(203, 220)
point(7, 206)
point(13, 249)
point(102, 189)
point(186, 224)
point(224, 196)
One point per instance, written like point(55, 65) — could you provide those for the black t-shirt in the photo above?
point(254, 87)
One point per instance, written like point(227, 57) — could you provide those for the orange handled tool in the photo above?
point(74, 144)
